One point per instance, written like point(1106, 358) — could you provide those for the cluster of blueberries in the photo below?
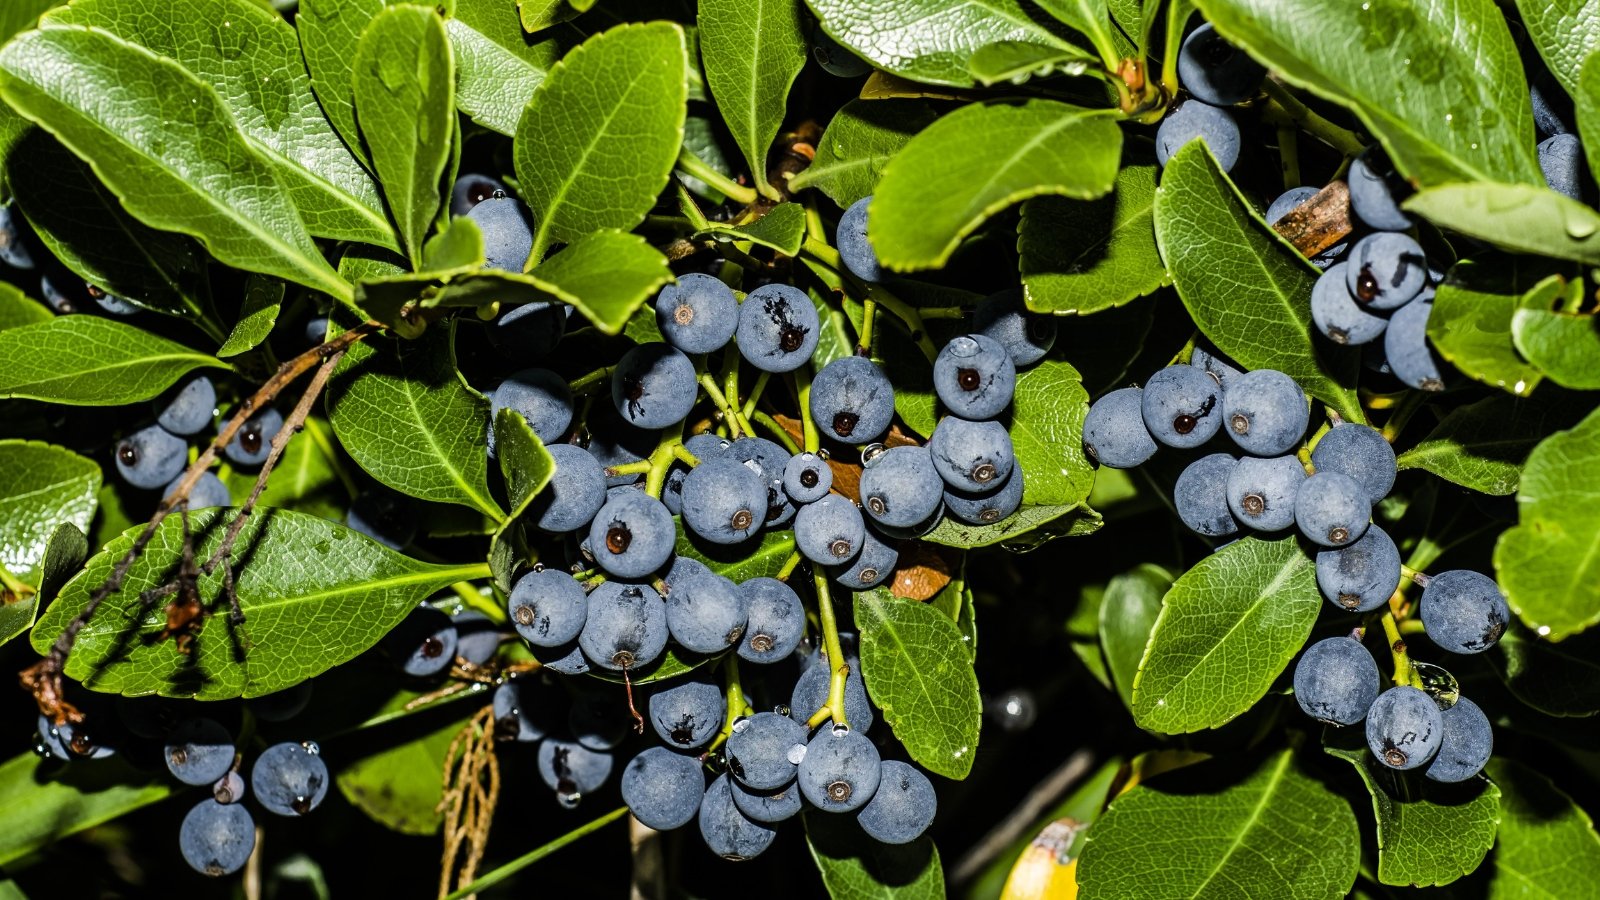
point(156, 455)
point(64, 292)
point(218, 835)
point(1265, 415)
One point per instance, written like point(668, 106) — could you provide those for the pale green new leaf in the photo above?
point(1084, 256)
point(858, 143)
point(1550, 332)
point(1127, 614)
point(782, 228)
point(1546, 846)
point(928, 40)
point(1523, 218)
point(752, 51)
point(258, 312)
point(1091, 18)
point(498, 65)
point(42, 486)
point(1047, 433)
point(1566, 33)
point(1470, 324)
point(90, 361)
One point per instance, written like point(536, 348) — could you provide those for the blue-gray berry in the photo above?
point(626, 627)
point(974, 377)
point(900, 487)
point(1464, 611)
point(852, 400)
point(1201, 495)
point(1182, 406)
point(1336, 681)
point(1114, 433)
point(1261, 492)
point(972, 456)
point(1265, 412)
point(632, 536)
point(547, 607)
point(1360, 577)
point(1404, 728)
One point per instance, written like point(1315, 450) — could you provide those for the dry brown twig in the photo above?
point(471, 790)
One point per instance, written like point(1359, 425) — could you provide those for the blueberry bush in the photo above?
point(903, 449)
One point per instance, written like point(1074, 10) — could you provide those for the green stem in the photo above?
point(1287, 104)
point(474, 598)
point(1404, 672)
point(789, 566)
point(821, 252)
point(802, 380)
point(771, 425)
point(1289, 155)
point(690, 164)
point(907, 314)
point(730, 380)
point(755, 393)
point(584, 382)
point(641, 467)
point(684, 456)
point(662, 458)
point(836, 662)
point(869, 315)
point(709, 385)
point(527, 859)
point(734, 696)
point(815, 230)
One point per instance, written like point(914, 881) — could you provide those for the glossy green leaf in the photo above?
point(1084, 256)
point(1554, 337)
point(1566, 33)
point(1586, 108)
point(1091, 18)
point(400, 786)
point(1471, 322)
point(42, 486)
point(1556, 679)
point(1546, 845)
point(42, 803)
point(1015, 62)
point(498, 65)
point(598, 141)
point(404, 414)
point(314, 595)
point(1247, 288)
point(957, 602)
point(1226, 630)
point(1483, 445)
point(65, 550)
point(537, 15)
point(405, 107)
point(1128, 613)
point(251, 57)
point(306, 479)
point(17, 310)
point(1519, 217)
point(1207, 833)
point(927, 40)
point(1047, 433)
point(90, 361)
point(329, 31)
point(258, 313)
point(1428, 833)
point(1549, 564)
point(980, 159)
point(1027, 529)
point(458, 246)
point(740, 563)
point(858, 143)
point(921, 677)
point(782, 228)
point(752, 50)
point(1438, 83)
point(856, 867)
point(141, 120)
point(527, 465)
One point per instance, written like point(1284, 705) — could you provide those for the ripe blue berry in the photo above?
point(829, 532)
point(873, 565)
point(988, 506)
point(190, 408)
point(771, 460)
point(1215, 71)
point(151, 457)
point(1195, 120)
point(840, 771)
point(626, 627)
point(540, 396)
point(776, 623)
point(632, 535)
point(778, 328)
point(1404, 728)
point(252, 443)
point(1361, 452)
point(529, 332)
point(1026, 336)
point(290, 779)
point(470, 190)
point(1201, 496)
point(548, 607)
point(663, 789)
point(974, 377)
point(807, 478)
point(1373, 186)
point(424, 643)
point(728, 832)
point(1261, 492)
point(972, 456)
point(572, 498)
point(507, 237)
point(855, 251)
point(522, 710)
point(852, 400)
point(706, 613)
point(199, 751)
point(698, 314)
point(1467, 744)
point(901, 487)
point(1360, 577)
point(724, 501)
point(1405, 345)
point(1336, 681)
point(767, 807)
point(208, 492)
point(217, 839)
point(763, 750)
point(68, 741)
point(1181, 406)
point(1562, 162)
point(1114, 433)
point(1386, 270)
point(572, 770)
point(1464, 611)
point(1332, 509)
point(1265, 412)
point(14, 238)
point(903, 807)
point(1336, 313)
point(688, 714)
point(599, 721)
point(653, 386)
point(811, 693)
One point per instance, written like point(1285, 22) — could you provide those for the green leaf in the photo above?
point(740, 563)
point(855, 867)
point(1047, 433)
point(752, 50)
point(1128, 613)
point(405, 107)
point(42, 486)
point(1566, 33)
point(258, 313)
point(537, 15)
point(1248, 290)
point(1082, 257)
point(1428, 833)
point(1555, 679)
point(1471, 322)
point(957, 602)
point(84, 227)
point(251, 57)
point(527, 465)
point(42, 803)
point(329, 31)
point(782, 228)
point(859, 142)
point(979, 160)
point(1027, 529)
point(17, 310)
point(927, 40)
point(1014, 62)
point(919, 674)
point(1206, 833)
point(1438, 83)
point(498, 66)
point(306, 479)
point(1559, 341)
point(458, 246)
point(1226, 630)
point(141, 120)
point(1091, 18)
point(404, 414)
point(1549, 563)
point(1519, 217)
point(1482, 445)
point(400, 786)
point(598, 141)
point(65, 550)
point(314, 595)
point(1586, 106)
point(1546, 846)
point(90, 361)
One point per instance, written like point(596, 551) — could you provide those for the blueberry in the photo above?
point(855, 251)
point(1332, 509)
point(1180, 406)
point(1405, 345)
point(811, 693)
point(1386, 270)
point(540, 396)
point(771, 460)
point(208, 492)
point(901, 487)
point(834, 58)
point(477, 639)
point(1003, 316)
point(1361, 576)
point(1212, 365)
point(424, 643)
point(988, 506)
point(384, 516)
point(626, 627)
point(1114, 433)
point(903, 807)
point(1464, 611)
point(974, 377)
point(778, 328)
point(507, 237)
point(189, 408)
point(1404, 728)
point(702, 447)
point(14, 238)
point(1562, 162)
point(663, 789)
point(1467, 744)
point(1201, 495)
point(599, 722)
point(1360, 452)
point(151, 457)
point(1550, 106)
point(1336, 681)
point(67, 741)
point(1261, 492)
point(1195, 120)
point(706, 613)
point(682, 569)
point(632, 535)
point(840, 771)
point(1373, 186)
point(767, 807)
point(1336, 313)
point(764, 749)
point(1265, 412)
point(228, 789)
point(547, 607)
point(290, 779)
point(111, 304)
point(654, 386)
point(728, 833)
point(698, 314)
point(1287, 202)
point(522, 710)
point(972, 456)
point(567, 659)
point(317, 330)
point(688, 714)
point(472, 189)
point(530, 331)
point(64, 292)
point(252, 443)
point(829, 532)
point(807, 478)
point(873, 566)
point(777, 621)
point(199, 751)
point(724, 501)
point(575, 493)
point(217, 839)
point(852, 400)
point(572, 770)
point(1215, 71)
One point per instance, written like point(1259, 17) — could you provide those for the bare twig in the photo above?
point(1320, 222)
point(1014, 826)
